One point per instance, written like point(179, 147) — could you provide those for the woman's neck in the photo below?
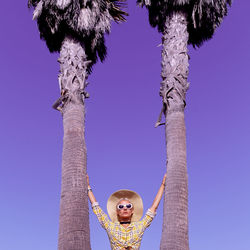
point(125, 225)
point(125, 222)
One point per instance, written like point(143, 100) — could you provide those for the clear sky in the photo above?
point(124, 149)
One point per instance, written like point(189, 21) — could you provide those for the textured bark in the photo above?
point(74, 214)
point(173, 91)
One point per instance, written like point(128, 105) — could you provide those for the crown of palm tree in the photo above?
point(85, 20)
point(203, 16)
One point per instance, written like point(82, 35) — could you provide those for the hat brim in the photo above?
point(132, 196)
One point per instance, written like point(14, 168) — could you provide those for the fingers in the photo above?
point(165, 176)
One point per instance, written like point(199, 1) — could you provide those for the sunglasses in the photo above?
point(121, 206)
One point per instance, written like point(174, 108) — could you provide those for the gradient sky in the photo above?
point(124, 149)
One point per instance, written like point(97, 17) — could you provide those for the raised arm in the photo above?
point(101, 216)
point(90, 192)
point(158, 195)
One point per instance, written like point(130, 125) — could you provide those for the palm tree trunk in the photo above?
point(74, 214)
point(173, 91)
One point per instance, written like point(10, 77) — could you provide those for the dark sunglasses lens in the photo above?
point(129, 206)
point(120, 206)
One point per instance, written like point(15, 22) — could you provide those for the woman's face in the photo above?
point(124, 214)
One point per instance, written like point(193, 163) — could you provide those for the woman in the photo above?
point(125, 208)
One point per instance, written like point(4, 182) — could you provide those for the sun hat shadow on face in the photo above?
point(132, 196)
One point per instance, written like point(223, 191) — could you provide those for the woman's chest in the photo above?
point(129, 236)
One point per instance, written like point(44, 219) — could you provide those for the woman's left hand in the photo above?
point(164, 179)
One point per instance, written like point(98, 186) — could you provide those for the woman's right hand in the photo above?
point(90, 192)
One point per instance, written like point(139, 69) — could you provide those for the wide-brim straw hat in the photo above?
point(132, 196)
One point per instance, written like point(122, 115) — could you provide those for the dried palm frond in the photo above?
point(38, 10)
point(203, 16)
point(85, 20)
point(116, 10)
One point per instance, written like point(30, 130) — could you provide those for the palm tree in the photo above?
point(76, 29)
point(181, 22)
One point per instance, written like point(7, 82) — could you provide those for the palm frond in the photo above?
point(116, 10)
point(203, 16)
point(165, 2)
point(85, 20)
point(206, 16)
point(38, 10)
point(62, 4)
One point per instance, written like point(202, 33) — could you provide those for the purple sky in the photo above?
point(124, 148)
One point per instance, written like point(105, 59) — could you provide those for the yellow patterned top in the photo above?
point(119, 236)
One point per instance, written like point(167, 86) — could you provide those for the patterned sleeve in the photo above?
point(147, 219)
point(101, 216)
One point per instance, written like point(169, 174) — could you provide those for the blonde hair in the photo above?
point(124, 199)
